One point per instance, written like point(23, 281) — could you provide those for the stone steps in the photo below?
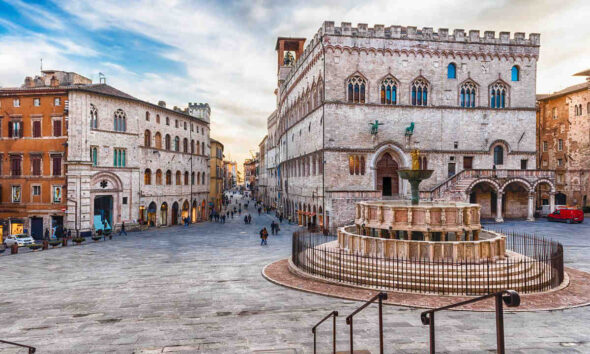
point(437, 279)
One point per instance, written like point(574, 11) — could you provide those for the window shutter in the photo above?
point(57, 166)
point(10, 129)
point(36, 129)
point(56, 128)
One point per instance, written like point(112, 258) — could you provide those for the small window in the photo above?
point(451, 169)
point(15, 129)
point(16, 194)
point(119, 157)
point(560, 145)
point(515, 73)
point(167, 121)
point(554, 112)
point(467, 162)
point(57, 101)
point(36, 129)
point(124, 200)
point(56, 163)
point(559, 162)
point(523, 164)
point(452, 71)
point(16, 102)
point(185, 126)
point(94, 155)
point(176, 123)
point(158, 118)
point(36, 190)
point(57, 128)
point(147, 116)
point(36, 165)
point(36, 102)
point(498, 155)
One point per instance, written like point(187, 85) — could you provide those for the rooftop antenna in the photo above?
point(41, 64)
point(101, 78)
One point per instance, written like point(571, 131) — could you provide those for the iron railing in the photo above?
point(539, 267)
point(332, 314)
point(31, 349)
point(380, 297)
point(508, 297)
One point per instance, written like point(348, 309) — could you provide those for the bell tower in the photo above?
point(288, 52)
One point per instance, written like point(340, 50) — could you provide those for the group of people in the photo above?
point(247, 219)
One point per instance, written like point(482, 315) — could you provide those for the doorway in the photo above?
point(174, 220)
point(103, 212)
point(386, 186)
point(387, 177)
point(37, 228)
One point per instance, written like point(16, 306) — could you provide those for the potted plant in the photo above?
point(96, 237)
point(79, 240)
point(54, 243)
point(34, 246)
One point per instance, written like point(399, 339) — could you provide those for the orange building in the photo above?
point(33, 142)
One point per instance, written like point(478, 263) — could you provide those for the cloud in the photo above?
point(223, 52)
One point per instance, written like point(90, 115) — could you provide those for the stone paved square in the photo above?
point(199, 289)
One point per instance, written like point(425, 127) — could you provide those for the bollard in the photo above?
point(45, 245)
point(14, 248)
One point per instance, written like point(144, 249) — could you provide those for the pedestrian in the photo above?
point(259, 210)
point(263, 236)
point(245, 219)
point(281, 218)
point(232, 214)
point(46, 236)
point(250, 219)
point(273, 227)
point(240, 210)
point(122, 231)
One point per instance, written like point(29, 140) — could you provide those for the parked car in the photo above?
point(21, 240)
point(568, 215)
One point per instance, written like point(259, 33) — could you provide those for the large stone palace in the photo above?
point(355, 101)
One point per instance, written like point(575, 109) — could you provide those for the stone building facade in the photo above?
point(216, 186)
point(466, 101)
point(33, 140)
point(133, 161)
point(563, 123)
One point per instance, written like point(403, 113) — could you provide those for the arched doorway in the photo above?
point(185, 208)
point(151, 214)
point(194, 211)
point(387, 177)
point(174, 220)
point(515, 199)
point(164, 214)
point(486, 195)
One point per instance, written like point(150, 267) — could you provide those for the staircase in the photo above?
point(516, 272)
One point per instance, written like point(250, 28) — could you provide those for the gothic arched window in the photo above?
point(159, 177)
point(388, 91)
point(168, 142)
point(147, 139)
point(467, 94)
point(185, 145)
point(178, 178)
point(176, 144)
point(192, 146)
point(147, 177)
point(452, 71)
point(515, 73)
point(419, 92)
point(120, 121)
point(158, 139)
point(498, 95)
point(93, 117)
point(168, 177)
point(356, 89)
point(186, 178)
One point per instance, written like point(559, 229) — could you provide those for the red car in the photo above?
point(567, 215)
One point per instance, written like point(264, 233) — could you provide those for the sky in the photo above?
point(222, 52)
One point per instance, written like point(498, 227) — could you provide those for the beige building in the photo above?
point(564, 142)
point(216, 184)
point(466, 101)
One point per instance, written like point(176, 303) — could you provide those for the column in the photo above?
point(552, 201)
point(530, 215)
point(499, 208)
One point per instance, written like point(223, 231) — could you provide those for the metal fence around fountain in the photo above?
point(540, 268)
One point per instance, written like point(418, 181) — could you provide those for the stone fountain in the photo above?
point(415, 176)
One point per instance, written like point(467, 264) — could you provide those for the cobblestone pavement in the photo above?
point(200, 289)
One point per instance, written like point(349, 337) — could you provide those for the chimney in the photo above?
point(29, 82)
point(54, 82)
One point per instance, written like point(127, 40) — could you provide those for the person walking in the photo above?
point(263, 236)
point(281, 218)
point(259, 210)
point(245, 219)
point(122, 231)
point(46, 236)
point(250, 221)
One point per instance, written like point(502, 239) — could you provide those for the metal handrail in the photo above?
point(508, 297)
point(31, 349)
point(332, 314)
point(381, 296)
